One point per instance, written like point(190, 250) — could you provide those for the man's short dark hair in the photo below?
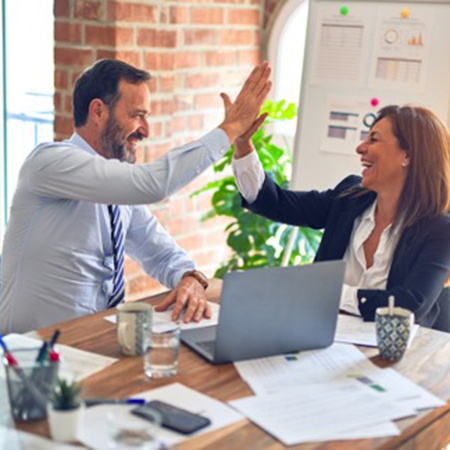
point(101, 80)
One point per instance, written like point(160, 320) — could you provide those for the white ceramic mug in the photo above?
point(131, 319)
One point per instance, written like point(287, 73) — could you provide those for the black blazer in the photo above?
point(421, 261)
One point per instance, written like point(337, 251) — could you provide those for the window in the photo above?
point(27, 86)
point(285, 52)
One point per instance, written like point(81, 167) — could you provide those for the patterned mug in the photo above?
point(393, 332)
point(131, 321)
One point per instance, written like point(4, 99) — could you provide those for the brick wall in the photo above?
point(194, 49)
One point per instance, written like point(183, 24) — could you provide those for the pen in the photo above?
point(54, 338)
point(112, 401)
point(42, 352)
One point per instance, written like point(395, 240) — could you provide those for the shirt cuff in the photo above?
point(246, 161)
point(217, 143)
point(177, 277)
point(349, 299)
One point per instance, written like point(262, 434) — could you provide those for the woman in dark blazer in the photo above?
point(391, 225)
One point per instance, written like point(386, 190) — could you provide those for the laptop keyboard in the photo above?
point(207, 345)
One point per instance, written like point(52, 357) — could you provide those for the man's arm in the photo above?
point(62, 171)
point(149, 244)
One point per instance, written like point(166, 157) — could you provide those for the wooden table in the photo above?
point(427, 362)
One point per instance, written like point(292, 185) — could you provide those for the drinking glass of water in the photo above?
point(162, 348)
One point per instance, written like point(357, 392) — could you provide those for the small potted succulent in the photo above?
point(65, 411)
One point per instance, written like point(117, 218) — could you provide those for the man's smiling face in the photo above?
point(127, 122)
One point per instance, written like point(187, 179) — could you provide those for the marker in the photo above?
point(112, 401)
point(374, 101)
point(344, 10)
point(405, 13)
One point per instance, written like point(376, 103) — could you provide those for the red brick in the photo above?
point(167, 61)
point(220, 58)
point(88, 9)
point(156, 130)
point(166, 84)
point(209, 16)
point(157, 38)
point(73, 57)
point(63, 125)
point(201, 80)
point(61, 79)
point(68, 32)
point(58, 102)
point(164, 14)
point(243, 16)
point(130, 57)
point(187, 59)
point(179, 14)
point(162, 107)
point(110, 36)
point(195, 122)
point(61, 8)
point(178, 124)
point(206, 101)
point(200, 37)
point(190, 243)
point(131, 12)
point(236, 37)
point(252, 57)
point(184, 102)
point(67, 103)
point(141, 284)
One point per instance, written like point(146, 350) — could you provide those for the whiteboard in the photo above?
point(358, 60)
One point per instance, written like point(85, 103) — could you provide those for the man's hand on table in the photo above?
point(189, 294)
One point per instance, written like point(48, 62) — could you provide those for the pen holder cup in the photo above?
point(30, 384)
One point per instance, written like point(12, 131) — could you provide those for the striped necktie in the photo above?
point(117, 238)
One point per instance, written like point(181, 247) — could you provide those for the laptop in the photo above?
point(272, 311)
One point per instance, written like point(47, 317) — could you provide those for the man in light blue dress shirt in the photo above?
point(58, 260)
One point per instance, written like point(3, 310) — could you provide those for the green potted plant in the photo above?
point(65, 410)
point(254, 240)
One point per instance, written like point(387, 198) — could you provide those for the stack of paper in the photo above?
point(319, 412)
point(354, 330)
point(77, 364)
point(289, 380)
point(161, 319)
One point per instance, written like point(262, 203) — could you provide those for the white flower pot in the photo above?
point(65, 424)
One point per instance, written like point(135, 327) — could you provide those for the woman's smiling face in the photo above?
point(385, 162)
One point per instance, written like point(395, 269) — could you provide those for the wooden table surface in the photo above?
point(427, 363)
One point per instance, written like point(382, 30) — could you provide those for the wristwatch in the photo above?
point(199, 276)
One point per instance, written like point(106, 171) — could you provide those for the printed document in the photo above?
point(298, 415)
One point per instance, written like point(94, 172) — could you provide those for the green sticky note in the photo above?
point(344, 10)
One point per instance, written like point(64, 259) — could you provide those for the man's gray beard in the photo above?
point(111, 142)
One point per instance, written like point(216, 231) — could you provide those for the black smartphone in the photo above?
point(175, 418)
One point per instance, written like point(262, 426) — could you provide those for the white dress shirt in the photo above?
point(250, 176)
point(57, 256)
